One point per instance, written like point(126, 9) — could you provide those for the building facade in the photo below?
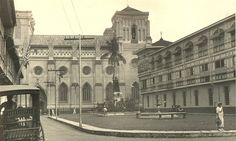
point(9, 59)
point(54, 62)
point(195, 72)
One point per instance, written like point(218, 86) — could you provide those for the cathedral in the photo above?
point(53, 63)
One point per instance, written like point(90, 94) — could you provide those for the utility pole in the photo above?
point(80, 88)
point(56, 97)
point(48, 90)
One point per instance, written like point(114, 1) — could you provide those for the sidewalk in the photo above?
point(146, 133)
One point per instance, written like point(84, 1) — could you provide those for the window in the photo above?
point(139, 33)
point(86, 70)
point(147, 101)
point(204, 79)
point(165, 100)
point(219, 63)
point(196, 97)
point(202, 50)
point(210, 96)
point(189, 51)
point(153, 80)
point(128, 34)
point(38, 70)
point(144, 35)
point(144, 84)
point(180, 74)
point(232, 39)
point(190, 71)
point(133, 32)
point(160, 78)
point(63, 70)
point(184, 98)
point(109, 70)
point(86, 92)
point(226, 92)
point(218, 40)
point(63, 90)
point(124, 37)
point(204, 67)
point(169, 76)
point(157, 100)
point(174, 99)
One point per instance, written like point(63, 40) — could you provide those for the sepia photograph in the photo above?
point(117, 70)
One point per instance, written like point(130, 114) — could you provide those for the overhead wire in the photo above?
point(67, 18)
point(76, 16)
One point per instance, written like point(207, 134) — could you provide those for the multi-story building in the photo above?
point(195, 72)
point(9, 60)
point(51, 53)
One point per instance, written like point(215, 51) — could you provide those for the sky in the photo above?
point(174, 18)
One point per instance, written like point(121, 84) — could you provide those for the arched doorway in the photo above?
point(86, 93)
point(109, 92)
point(43, 100)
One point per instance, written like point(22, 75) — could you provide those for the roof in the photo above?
point(130, 11)
point(59, 40)
point(162, 42)
point(6, 90)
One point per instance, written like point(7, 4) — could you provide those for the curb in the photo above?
point(146, 133)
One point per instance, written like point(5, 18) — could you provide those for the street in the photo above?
point(55, 131)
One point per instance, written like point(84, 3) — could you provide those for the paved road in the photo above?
point(55, 131)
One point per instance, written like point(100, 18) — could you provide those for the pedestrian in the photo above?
point(220, 117)
point(104, 110)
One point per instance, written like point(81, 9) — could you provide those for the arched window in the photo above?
point(218, 40)
point(202, 46)
point(188, 49)
point(63, 92)
point(109, 92)
point(86, 92)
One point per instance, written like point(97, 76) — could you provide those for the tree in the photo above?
point(114, 58)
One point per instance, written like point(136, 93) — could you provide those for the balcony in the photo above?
point(168, 64)
point(191, 81)
point(204, 79)
point(218, 48)
point(178, 60)
point(189, 57)
point(202, 53)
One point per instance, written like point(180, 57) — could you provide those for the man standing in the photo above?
point(220, 117)
point(9, 104)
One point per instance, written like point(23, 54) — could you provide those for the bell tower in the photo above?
point(131, 26)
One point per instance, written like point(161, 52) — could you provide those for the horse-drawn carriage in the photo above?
point(21, 123)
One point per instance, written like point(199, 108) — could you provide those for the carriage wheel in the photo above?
point(41, 133)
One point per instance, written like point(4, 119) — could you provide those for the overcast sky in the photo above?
point(174, 18)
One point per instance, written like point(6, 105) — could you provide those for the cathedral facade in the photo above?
point(53, 62)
